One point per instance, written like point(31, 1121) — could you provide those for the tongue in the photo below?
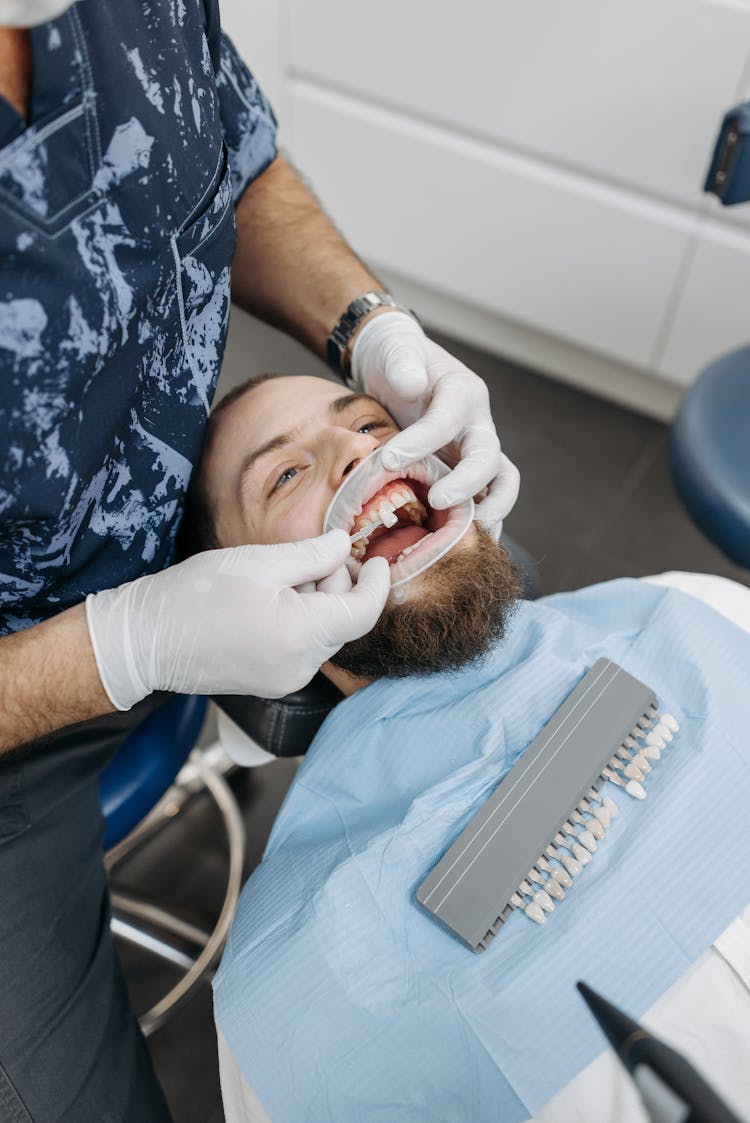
point(390, 545)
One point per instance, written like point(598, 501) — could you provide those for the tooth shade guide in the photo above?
point(541, 815)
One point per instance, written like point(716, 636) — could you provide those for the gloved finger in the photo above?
point(479, 464)
point(346, 616)
point(338, 582)
point(435, 429)
point(501, 497)
point(290, 564)
point(406, 370)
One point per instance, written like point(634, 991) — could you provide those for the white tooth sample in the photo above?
point(633, 772)
point(662, 731)
point(388, 516)
point(571, 865)
point(544, 901)
point(610, 806)
point(557, 873)
point(631, 743)
point(526, 889)
point(608, 774)
point(635, 789)
point(537, 878)
point(615, 762)
point(589, 841)
point(535, 913)
point(602, 816)
point(593, 795)
point(596, 826)
point(561, 840)
point(516, 902)
point(670, 723)
point(581, 854)
point(554, 888)
point(651, 752)
point(639, 760)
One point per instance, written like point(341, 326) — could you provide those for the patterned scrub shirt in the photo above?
point(117, 232)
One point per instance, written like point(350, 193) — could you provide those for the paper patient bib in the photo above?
point(341, 999)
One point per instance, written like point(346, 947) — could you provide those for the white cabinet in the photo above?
point(537, 163)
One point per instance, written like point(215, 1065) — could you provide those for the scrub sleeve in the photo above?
point(117, 232)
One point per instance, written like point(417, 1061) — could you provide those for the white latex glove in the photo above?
point(438, 402)
point(231, 621)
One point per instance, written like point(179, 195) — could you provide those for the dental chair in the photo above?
point(710, 453)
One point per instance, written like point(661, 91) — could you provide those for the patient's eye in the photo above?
point(286, 475)
point(371, 425)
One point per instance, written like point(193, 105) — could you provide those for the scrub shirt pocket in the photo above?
point(203, 249)
point(47, 173)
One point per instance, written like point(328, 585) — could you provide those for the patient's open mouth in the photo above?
point(394, 522)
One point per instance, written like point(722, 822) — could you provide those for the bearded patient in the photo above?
point(338, 999)
point(277, 449)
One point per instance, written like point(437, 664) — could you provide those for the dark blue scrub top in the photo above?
point(117, 233)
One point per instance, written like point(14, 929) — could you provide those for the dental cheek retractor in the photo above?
point(356, 494)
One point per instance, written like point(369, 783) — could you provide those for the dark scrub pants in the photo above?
point(117, 232)
point(70, 1047)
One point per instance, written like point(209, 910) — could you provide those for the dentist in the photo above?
point(140, 190)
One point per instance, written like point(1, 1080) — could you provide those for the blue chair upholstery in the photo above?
point(147, 763)
point(710, 453)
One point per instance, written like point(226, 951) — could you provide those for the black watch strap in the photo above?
point(340, 337)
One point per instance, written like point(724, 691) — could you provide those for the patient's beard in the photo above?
point(457, 616)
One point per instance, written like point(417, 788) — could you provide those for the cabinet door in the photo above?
point(713, 312)
point(558, 252)
point(627, 90)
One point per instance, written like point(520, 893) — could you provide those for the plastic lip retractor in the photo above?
point(366, 480)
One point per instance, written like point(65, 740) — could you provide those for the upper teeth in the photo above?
point(384, 514)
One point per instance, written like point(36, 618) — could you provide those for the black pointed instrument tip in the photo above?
point(616, 1026)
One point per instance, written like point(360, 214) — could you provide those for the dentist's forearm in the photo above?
point(48, 679)
point(292, 268)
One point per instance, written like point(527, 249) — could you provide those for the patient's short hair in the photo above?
point(198, 527)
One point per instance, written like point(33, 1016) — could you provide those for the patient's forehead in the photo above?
point(275, 406)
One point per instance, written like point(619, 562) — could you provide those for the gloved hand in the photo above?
point(440, 404)
point(231, 621)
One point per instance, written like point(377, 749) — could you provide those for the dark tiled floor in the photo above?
point(596, 503)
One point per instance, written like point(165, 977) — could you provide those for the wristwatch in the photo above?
point(340, 337)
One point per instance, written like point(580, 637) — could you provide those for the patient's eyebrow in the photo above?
point(273, 445)
point(340, 404)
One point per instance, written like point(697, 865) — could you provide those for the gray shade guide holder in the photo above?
point(469, 890)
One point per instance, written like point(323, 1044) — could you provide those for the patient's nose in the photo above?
point(349, 449)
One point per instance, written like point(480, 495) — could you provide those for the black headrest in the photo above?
point(283, 726)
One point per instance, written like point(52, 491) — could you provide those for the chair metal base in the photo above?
point(204, 769)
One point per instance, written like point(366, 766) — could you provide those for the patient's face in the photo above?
point(278, 455)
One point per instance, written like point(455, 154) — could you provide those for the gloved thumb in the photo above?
point(347, 616)
point(294, 563)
